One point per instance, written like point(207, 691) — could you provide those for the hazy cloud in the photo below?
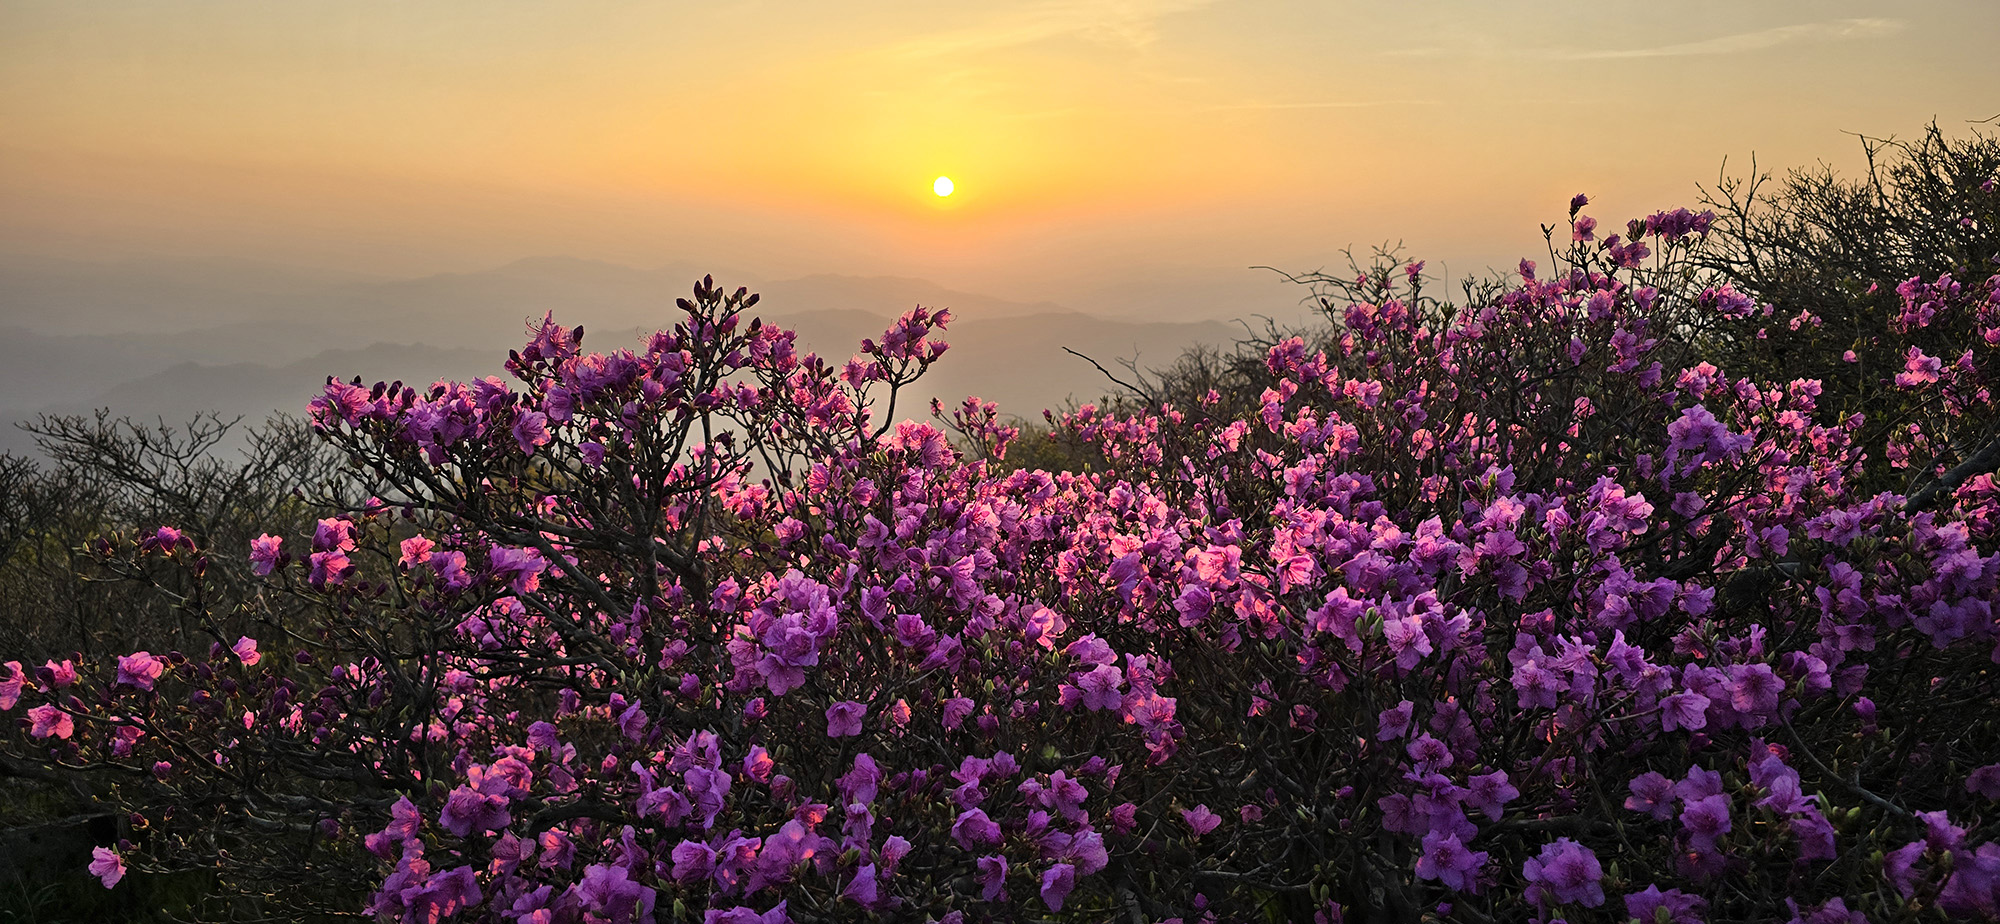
point(1120, 22)
point(1325, 104)
point(1836, 30)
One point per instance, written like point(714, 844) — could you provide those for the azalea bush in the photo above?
point(1857, 265)
point(1514, 609)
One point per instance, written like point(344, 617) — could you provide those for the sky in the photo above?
point(1101, 149)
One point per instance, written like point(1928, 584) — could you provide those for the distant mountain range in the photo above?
point(169, 340)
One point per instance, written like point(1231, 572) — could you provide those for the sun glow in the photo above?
point(942, 186)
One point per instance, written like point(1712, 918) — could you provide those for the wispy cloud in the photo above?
point(1837, 30)
point(1122, 22)
point(1833, 31)
point(1324, 104)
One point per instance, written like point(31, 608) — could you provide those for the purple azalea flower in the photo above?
point(1057, 882)
point(333, 534)
point(1565, 871)
point(1652, 793)
point(1680, 907)
point(531, 430)
point(1706, 819)
point(1394, 722)
point(1100, 687)
point(1832, 911)
point(1684, 710)
point(693, 861)
point(1446, 859)
point(1816, 836)
point(973, 830)
point(1984, 781)
point(1754, 689)
point(843, 719)
point(1489, 793)
point(993, 878)
point(558, 851)
point(862, 888)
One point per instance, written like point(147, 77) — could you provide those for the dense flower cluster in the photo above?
point(1507, 610)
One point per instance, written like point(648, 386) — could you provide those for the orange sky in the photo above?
point(1094, 142)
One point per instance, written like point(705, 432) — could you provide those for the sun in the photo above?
point(942, 186)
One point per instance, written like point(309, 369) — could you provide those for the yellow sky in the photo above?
point(1091, 141)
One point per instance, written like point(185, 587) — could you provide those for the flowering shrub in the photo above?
point(1516, 609)
point(1837, 256)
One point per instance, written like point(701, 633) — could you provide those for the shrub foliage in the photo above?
point(1563, 602)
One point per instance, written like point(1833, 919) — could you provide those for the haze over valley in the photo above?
point(165, 340)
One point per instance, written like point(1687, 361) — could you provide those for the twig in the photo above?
point(1985, 460)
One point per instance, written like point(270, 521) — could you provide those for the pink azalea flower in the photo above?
point(416, 551)
point(124, 736)
point(10, 688)
point(140, 669)
point(246, 651)
point(329, 568)
point(1200, 819)
point(107, 866)
point(333, 534)
point(48, 720)
point(264, 552)
point(167, 539)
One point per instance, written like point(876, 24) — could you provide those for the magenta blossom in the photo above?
point(1200, 819)
point(333, 534)
point(531, 430)
point(10, 688)
point(48, 720)
point(264, 553)
point(107, 866)
point(329, 568)
point(416, 550)
point(139, 670)
point(1100, 687)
